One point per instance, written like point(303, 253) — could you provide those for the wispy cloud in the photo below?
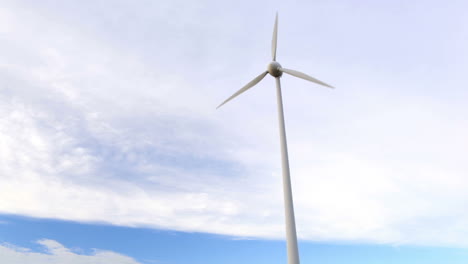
point(57, 253)
point(104, 120)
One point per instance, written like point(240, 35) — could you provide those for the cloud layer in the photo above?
point(109, 116)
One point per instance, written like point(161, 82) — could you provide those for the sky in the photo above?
point(112, 151)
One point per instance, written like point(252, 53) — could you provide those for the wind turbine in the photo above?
point(275, 70)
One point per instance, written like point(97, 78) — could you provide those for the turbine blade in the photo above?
point(274, 39)
point(245, 88)
point(305, 77)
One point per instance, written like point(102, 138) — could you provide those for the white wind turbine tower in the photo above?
point(275, 70)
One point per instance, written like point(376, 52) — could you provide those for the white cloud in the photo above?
point(57, 253)
point(110, 121)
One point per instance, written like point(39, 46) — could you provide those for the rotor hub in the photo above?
point(274, 69)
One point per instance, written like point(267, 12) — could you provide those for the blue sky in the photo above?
point(108, 116)
point(156, 246)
